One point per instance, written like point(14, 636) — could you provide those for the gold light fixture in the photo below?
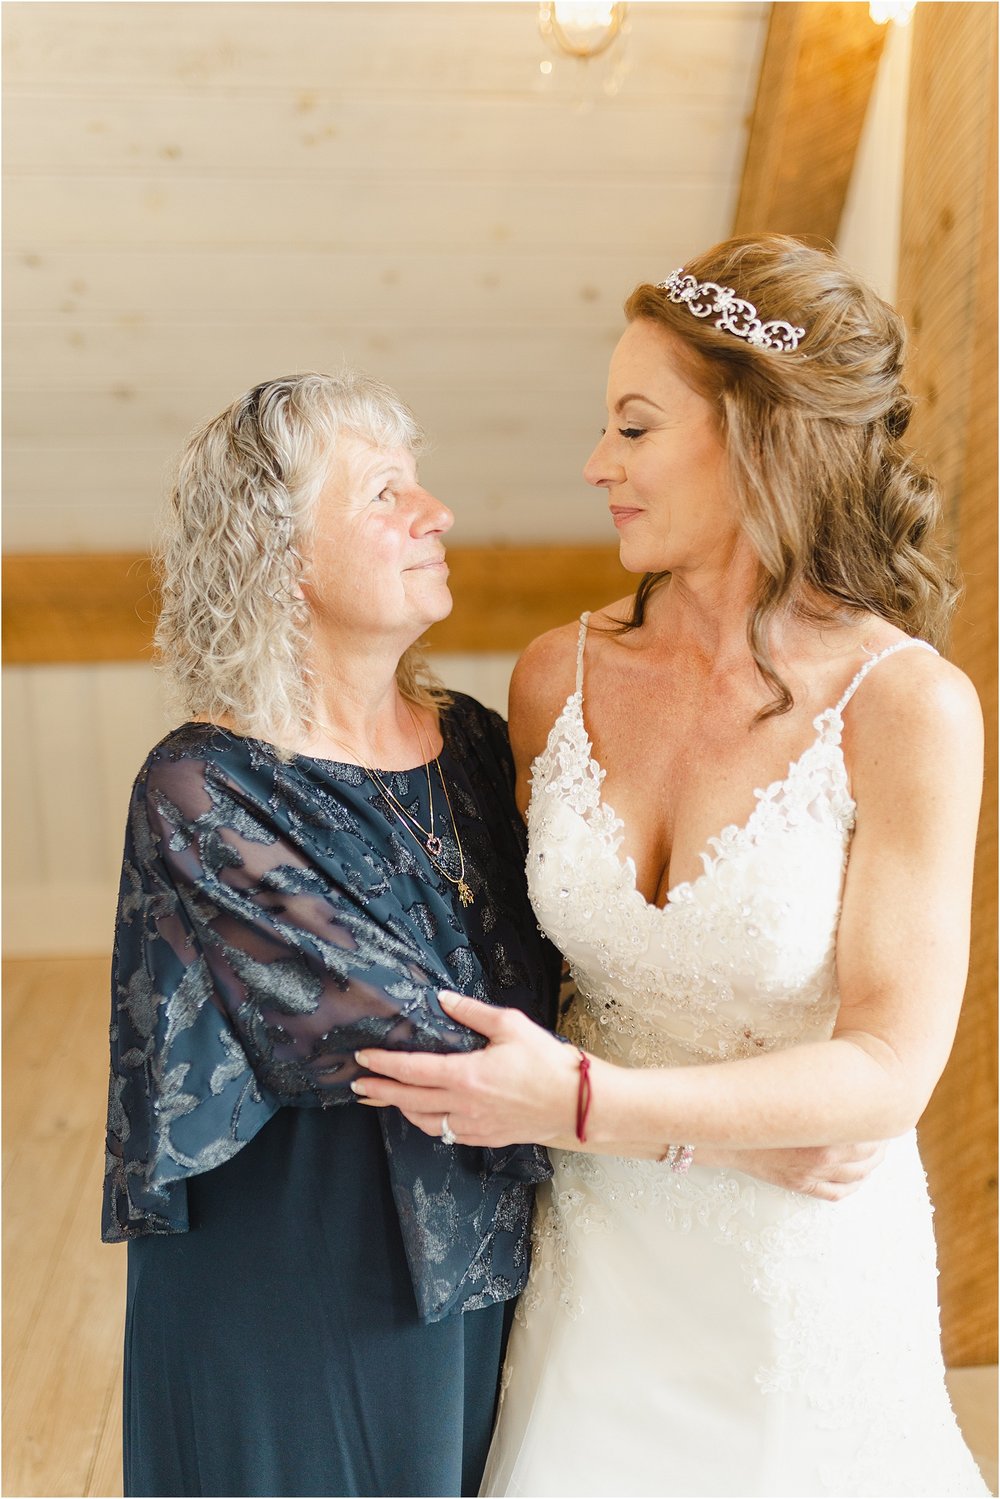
point(581, 30)
point(884, 11)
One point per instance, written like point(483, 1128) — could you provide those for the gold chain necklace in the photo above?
point(426, 837)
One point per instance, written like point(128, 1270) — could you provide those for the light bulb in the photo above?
point(583, 16)
point(583, 28)
point(883, 11)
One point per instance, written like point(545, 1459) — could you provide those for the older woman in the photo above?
point(316, 1295)
point(794, 977)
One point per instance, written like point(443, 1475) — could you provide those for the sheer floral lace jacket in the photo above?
point(273, 918)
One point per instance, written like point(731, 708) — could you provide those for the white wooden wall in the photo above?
point(74, 738)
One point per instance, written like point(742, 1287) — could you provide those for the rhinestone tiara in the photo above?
point(736, 316)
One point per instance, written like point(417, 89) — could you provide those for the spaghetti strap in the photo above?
point(581, 642)
point(859, 676)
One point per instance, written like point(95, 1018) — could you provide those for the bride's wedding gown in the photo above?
point(709, 1334)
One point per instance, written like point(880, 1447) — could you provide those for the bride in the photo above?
point(793, 979)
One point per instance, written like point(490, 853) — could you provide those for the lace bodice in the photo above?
point(739, 960)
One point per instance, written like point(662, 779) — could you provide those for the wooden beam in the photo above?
point(77, 608)
point(948, 294)
point(816, 78)
point(59, 608)
point(505, 596)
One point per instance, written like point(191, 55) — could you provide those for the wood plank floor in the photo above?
point(64, 1290)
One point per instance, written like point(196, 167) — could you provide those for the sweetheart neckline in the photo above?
point(735, 831)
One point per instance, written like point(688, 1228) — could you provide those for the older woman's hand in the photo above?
point(520, 1089)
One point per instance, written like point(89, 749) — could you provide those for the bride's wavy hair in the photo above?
point(831, 500)
point(233, 631)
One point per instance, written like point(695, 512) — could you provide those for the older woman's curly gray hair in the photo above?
point(233, 630)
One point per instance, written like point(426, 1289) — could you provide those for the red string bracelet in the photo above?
point(583, 1099)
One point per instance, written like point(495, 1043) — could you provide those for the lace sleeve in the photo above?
point(257, 947)
point(297, 961)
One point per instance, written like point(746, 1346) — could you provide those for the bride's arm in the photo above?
point(830, 1172)
point(916, 753)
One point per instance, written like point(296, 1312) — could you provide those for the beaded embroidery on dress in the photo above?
point(709, 1334)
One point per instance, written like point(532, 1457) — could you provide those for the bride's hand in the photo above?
point(830, 1172)
point(520, 1089)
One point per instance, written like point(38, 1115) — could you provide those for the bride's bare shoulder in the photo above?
point(545, 675)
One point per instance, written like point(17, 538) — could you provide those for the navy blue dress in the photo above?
point(317, 1294)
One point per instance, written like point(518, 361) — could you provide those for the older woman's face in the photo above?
point(662, 460)
point(377, 561)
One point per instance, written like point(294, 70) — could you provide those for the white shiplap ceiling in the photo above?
point(199, 196)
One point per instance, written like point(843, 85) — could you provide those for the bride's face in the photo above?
point(662, 461)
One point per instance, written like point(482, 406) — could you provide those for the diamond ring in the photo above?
point(447, 1133)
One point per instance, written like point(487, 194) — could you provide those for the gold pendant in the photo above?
point(465, 895)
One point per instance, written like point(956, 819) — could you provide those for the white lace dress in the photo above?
point(709, 1334)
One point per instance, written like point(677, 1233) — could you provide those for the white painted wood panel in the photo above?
point(139, 351)
point(63, 738)
point(129, 718)
point(172, 136)
point(388, 285)
point(74, 738)
point(486, 677)
point(21, 788)
point(705, 50)
point(146, 415)
point(80, 736)
point(350, 213)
